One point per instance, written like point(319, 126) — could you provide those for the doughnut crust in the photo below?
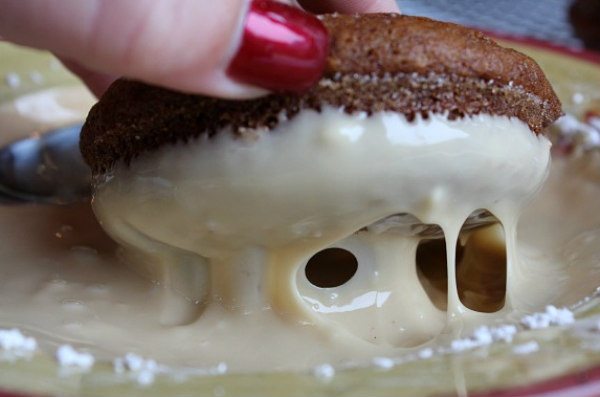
point(410, 65)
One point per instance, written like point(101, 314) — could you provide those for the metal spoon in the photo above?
point(46, 168)
point(49, 169)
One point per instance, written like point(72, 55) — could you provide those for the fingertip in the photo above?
point(282, 48)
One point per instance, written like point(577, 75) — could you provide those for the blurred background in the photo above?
point(570, 23)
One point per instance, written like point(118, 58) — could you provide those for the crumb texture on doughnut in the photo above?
point(377, 62)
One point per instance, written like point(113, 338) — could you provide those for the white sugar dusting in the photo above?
point(12, 80)
point(504, 333)
point(552, 316)
point(14, 342)
point(142, 370)
point(383, 362)
point(572, 129)
point(577, 98)
point(526, 348)
point(219, 369)
point(483, 336)
point(425, 353)
point(324, 372)
point(67, 356)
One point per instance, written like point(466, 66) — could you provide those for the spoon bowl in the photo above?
point(46, 168)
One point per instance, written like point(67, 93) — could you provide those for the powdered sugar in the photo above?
point(483, 336)
point(219, 369)
point(383, 362)
point(551, 316)
point(425, 353)
point(571, 130)
point(324, 372)
point(142, 370)
point(14, 342)
point(12, 80)
point(67, 356)
point(526, 348)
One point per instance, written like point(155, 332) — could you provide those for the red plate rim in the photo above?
point(14, 394)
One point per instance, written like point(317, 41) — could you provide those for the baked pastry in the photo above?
point(377, 62)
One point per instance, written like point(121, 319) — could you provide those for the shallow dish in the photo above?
point(568, 359)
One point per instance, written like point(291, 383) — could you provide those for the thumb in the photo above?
point(225, 48)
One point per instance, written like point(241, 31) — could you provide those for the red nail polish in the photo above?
point(283, 48)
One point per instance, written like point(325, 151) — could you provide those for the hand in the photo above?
point(224, 48)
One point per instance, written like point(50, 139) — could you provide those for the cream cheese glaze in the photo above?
point(64, 281)
point(232, 221)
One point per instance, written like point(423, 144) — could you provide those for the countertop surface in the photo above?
point(547, 20)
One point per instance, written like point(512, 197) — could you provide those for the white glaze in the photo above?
point(65, 281)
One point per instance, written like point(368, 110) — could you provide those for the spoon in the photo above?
point(49, 169)
point(46, 168)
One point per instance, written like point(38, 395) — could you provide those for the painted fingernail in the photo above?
point(283, 48)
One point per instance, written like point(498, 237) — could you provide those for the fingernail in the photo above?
point(283, 48)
